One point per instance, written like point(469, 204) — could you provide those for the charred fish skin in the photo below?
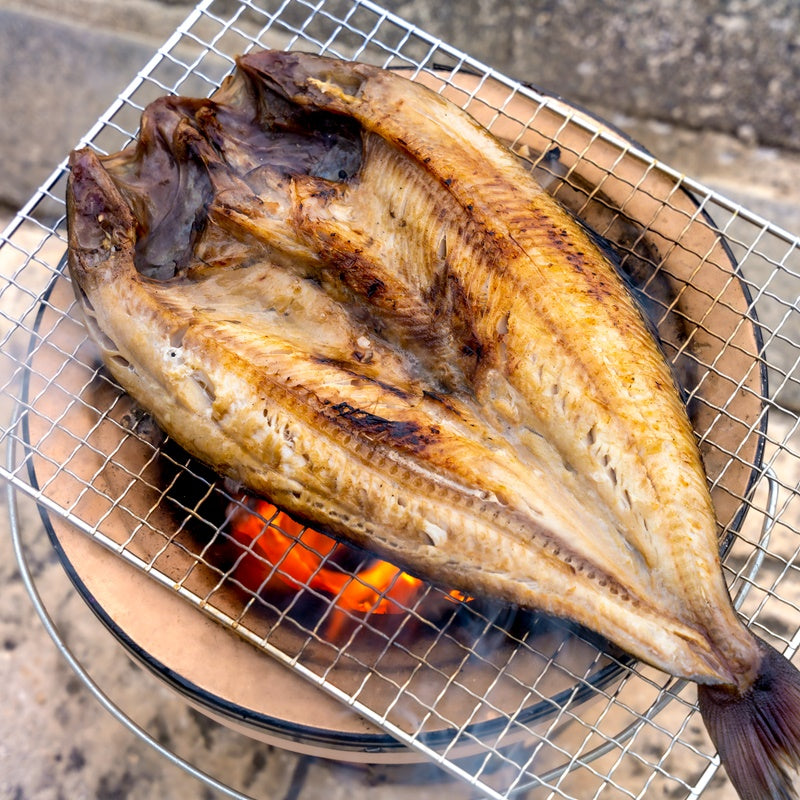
point(292, 324)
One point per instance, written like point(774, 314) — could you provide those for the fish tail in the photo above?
point(757, 731)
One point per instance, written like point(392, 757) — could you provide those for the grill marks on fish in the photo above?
point(365, 310)
point(407, 435)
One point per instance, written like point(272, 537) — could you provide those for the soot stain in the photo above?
point(76, 760)
point(112, 786)
point(257, 764)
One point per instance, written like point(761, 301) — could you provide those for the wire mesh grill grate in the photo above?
point(513, 704)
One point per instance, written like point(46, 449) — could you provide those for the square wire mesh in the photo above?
point(513, 704)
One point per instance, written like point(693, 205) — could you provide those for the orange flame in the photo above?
point(297, 557)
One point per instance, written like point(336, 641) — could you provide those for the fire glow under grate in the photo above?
point(512, 703)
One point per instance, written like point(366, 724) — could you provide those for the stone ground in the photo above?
point(56, 740)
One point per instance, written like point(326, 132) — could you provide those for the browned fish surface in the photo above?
point(332, 285)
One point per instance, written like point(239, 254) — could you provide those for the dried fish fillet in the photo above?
point(335, 287)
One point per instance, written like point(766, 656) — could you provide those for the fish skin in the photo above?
point(426, 355)
point(550, 369)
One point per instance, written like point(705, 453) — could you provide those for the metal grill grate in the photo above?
point(513, 704)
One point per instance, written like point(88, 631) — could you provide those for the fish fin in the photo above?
point(757, 732)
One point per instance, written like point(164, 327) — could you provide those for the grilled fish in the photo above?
point(335, 287)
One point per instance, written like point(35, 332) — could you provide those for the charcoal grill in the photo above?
point(511, 704)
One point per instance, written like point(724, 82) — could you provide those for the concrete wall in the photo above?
point(729, 65)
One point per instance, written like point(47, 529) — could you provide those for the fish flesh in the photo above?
point(334, 286)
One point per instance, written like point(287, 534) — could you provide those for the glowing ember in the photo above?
point(297, 557)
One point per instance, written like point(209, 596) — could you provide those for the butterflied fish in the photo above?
point(335, 287)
